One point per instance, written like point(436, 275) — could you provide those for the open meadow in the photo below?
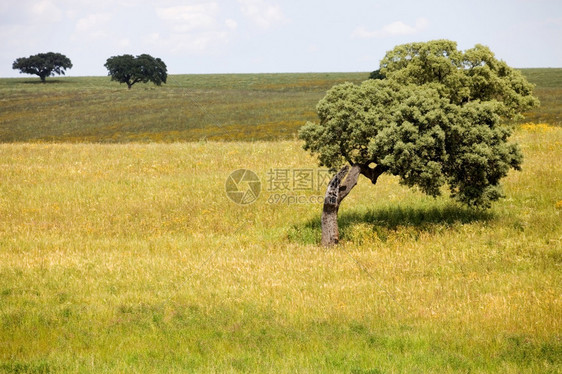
point(131, 258)
point(231, 107)
point(187, 108)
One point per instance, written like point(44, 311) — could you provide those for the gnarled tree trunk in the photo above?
point(337, 190)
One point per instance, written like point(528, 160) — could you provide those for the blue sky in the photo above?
point(254, 36)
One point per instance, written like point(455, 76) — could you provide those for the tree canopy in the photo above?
point(462, 77)
point(130, 69)
point(43, 64)
point(434, 117)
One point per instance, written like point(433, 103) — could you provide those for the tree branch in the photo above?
point(332, 192)
point(372, 173)
point(350, 181)
point(337, 190)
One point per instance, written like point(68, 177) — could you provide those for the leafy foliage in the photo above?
point(435, 119)
point(129, 69)
point(460, 76)
point(43, 64)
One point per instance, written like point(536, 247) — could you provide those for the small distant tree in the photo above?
point(376, 74)
point(43, 64)
point(130, 70)
point(433, 118)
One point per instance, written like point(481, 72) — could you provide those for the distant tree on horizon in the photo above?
point(376, 74)
point(43, 64)
point(130, 69)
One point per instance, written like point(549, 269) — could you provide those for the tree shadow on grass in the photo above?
point(48, 81)
point(382, 222)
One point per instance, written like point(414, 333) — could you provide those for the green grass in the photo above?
point(187, 108)
point(130, 258)
point(231, 107)
point(549, 91)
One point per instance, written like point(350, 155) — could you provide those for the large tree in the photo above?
point(43, 64)
point(437, 117)
point(130, 70)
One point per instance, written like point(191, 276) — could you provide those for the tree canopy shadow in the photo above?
point(381, 222)
point(48, 81)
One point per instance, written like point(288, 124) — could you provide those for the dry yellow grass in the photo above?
point(131, 258)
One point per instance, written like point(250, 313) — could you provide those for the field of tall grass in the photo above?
point(131, 258)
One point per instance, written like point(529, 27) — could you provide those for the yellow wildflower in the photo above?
point(537, 127)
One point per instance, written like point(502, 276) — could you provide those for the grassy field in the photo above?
point(187, 108)
point(190, 107)
point(549, 91)
point(130, 258)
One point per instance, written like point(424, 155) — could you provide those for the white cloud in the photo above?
point(92, 27)
point(262, 13)
point(194, 43)
point(189, 17)
point(29, 12)
point(45, 11)
point(231, 24)
point(196, 28)
point(124, 42)
point(397, 28)
point(92, 22)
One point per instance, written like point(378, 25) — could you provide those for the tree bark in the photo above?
point(330, 231)
point(337, 190)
